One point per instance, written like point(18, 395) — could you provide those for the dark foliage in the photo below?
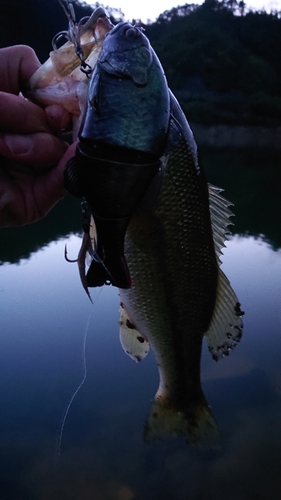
point(34, 23)
point(221, 60)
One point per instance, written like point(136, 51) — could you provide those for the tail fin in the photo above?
point(196, 424)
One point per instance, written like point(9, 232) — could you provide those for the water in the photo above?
point(43, 316)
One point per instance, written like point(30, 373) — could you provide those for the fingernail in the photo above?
point(18, 144)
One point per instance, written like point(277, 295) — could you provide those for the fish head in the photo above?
point(128, 101)
point(126, 52)
point(121, 141)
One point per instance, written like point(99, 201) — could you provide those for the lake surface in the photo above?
point(100, 455)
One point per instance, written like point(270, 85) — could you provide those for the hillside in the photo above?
point(223, 64)
point(221, 60)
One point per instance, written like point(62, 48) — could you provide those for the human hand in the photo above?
point(32, 158)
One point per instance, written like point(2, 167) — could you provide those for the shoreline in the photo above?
point(225, 136)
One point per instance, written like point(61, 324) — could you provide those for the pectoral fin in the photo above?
point(133, 343)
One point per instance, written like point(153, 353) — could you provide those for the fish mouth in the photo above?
point(113, 189)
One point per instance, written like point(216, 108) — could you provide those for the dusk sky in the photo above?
point(145, 9)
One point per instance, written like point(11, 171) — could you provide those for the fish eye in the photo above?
point(131, 32)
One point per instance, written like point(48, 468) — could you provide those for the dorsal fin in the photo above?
point(225, 329)
point(220, 218)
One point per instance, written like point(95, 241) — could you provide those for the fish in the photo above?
point(153, 226)
point(156, 230)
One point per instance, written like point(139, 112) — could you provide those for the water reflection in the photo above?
point(251, 179)
point(20, 242)
point(43, 316)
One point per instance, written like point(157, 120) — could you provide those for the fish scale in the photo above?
point(175, 292)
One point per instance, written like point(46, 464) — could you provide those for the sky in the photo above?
point(150, 9)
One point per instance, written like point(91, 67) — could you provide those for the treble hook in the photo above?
point(72, 34)
point(76, 30)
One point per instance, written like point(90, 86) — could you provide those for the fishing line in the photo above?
point(84, 364)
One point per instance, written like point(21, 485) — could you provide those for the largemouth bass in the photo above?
point(154, 228)
point(160, 245)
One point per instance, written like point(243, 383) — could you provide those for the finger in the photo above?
point(17, 114)
point(49, 187)
point(41, 150)
point(18, 63)
point(57, 118)
point(26, 199)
